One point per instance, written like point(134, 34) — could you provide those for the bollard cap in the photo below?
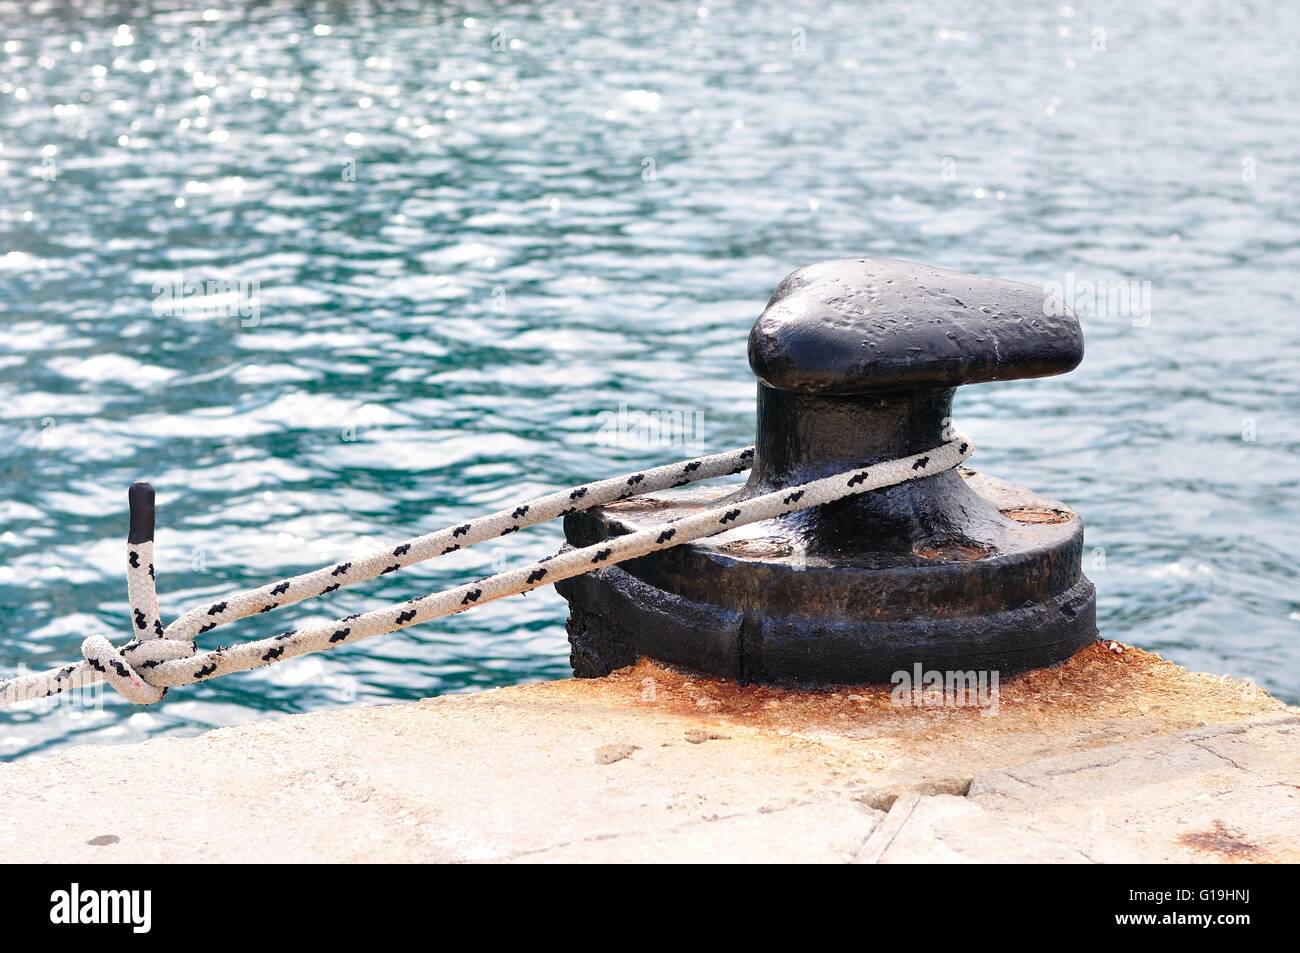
point(856, 325)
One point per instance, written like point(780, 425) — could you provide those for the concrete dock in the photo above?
point(1113, 756)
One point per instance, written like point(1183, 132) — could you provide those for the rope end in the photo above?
point(141, 499)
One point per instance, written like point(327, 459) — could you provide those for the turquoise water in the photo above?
point(460, 236)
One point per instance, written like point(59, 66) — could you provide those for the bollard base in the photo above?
point(754, 606)
point(615, 619)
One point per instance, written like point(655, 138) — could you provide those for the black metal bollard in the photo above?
point(857, 362)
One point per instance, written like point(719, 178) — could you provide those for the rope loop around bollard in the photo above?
point(158, 657)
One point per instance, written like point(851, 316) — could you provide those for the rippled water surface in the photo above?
point(465, 231)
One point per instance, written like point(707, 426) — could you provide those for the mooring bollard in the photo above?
point(857, 361)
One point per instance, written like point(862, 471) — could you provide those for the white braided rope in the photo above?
point(330, 578)
point(159, 658)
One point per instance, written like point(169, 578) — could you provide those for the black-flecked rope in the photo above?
point(159, 657)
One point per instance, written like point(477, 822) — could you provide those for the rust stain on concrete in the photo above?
point(1229, 844)
point(1091, 695)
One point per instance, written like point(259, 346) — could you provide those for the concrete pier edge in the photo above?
point(1112, 756)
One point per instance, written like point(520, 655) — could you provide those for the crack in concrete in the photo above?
point(879, 840)
point(1221, 756)
point(674, 829)
point(1089, 766)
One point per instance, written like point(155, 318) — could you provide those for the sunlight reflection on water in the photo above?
point(469, 230)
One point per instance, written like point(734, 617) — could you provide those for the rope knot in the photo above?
point(125, 668)
point(121, 667)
